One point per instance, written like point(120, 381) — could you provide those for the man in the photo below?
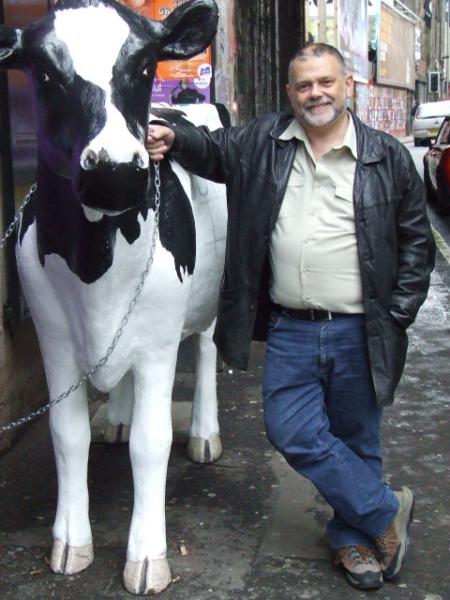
point(330, 249)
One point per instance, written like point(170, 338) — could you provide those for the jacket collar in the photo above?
point(369, 147)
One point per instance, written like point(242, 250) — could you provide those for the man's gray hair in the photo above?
point(316, 49)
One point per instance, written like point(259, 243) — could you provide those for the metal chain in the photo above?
point(123, 323)
point(17, 216)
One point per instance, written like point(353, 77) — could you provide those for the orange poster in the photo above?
point(179, 69)
point(176, 81)
point(145, 7)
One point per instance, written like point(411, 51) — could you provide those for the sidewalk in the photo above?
point(252, 529)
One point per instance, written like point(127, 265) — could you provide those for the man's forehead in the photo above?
point(319, 65)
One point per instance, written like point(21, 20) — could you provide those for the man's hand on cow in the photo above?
point(159, 141)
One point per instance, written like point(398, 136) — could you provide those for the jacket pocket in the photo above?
point(388, 345)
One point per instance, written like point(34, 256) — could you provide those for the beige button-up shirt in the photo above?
point(313, 252)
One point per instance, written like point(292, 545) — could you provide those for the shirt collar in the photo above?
point(295, 130)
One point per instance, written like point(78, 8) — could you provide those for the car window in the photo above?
point(444, 134)
point(433, 109)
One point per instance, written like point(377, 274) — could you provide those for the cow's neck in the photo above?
point(62, 228)
point(88, 247)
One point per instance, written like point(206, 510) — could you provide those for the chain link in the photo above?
point(115, 340)
point(17, 216)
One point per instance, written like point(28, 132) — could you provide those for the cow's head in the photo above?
point(91, 64)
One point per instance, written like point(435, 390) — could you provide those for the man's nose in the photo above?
point(316, 90)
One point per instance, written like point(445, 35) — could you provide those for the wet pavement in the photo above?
point(246, 528)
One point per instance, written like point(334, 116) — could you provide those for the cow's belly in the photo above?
point(81, 319)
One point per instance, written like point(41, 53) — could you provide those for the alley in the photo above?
point(246, 528)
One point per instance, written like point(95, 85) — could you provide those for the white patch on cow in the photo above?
point(103, 33)
point(91, 214)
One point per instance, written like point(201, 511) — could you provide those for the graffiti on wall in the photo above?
point(225, 56)
point(382, 107)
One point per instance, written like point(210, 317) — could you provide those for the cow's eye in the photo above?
point(42, 77)
point(147, 72)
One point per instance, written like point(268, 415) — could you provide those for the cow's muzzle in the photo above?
point(112, 187)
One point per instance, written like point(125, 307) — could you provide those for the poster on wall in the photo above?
point(396, 53)
point(177, 81)
point(353, 38)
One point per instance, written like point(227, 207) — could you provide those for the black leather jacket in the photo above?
point(395, 244)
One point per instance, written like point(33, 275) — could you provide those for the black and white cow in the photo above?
point(84, 242)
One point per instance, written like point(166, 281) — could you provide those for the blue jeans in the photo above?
point(321, 415)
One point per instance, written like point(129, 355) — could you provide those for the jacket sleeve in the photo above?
point(209, 154)
point(415, 246)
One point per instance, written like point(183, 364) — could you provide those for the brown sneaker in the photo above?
point(391, 547)
point(361, 567)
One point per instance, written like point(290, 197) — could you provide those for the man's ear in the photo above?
point(349, 86)
point(9, 47)
point(188, 30)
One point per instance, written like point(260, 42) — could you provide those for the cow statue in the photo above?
point(83, 246)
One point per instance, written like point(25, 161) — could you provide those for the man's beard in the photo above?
point(322, 119)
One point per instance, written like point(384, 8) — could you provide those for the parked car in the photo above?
point(428, 119)
point(436, 168)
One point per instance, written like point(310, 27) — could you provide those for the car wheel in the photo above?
point(416, 142)
point(431, 194)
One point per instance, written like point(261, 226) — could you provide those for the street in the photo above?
point(247, 527)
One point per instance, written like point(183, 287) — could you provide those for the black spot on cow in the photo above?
point(176, 221)
point(70, 110)
point(131, 83)
point(88, 247)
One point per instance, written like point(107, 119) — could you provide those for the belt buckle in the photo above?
point(312, 316)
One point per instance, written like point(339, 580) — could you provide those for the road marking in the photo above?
point(441, 244)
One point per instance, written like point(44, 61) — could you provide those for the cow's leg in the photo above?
point(69, 424)
point(147, 569)
point(204, 444)
point(111, 421)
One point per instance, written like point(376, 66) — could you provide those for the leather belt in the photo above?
point(307, 314)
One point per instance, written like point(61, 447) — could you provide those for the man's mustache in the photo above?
point(309, 105)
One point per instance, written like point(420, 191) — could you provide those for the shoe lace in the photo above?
point(355, 555)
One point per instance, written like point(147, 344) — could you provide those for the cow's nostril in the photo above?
point(103, 156)
point(138, 161)
point(89, 160)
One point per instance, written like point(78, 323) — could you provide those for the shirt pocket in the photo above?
point(293, 196)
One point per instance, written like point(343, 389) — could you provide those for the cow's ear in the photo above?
point(9, 47)
point(188, 30)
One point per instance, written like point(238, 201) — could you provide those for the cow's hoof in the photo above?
point(69, 560)
point(203, 450)
point(148, 576)
point(117, 434)
point(103, 432)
